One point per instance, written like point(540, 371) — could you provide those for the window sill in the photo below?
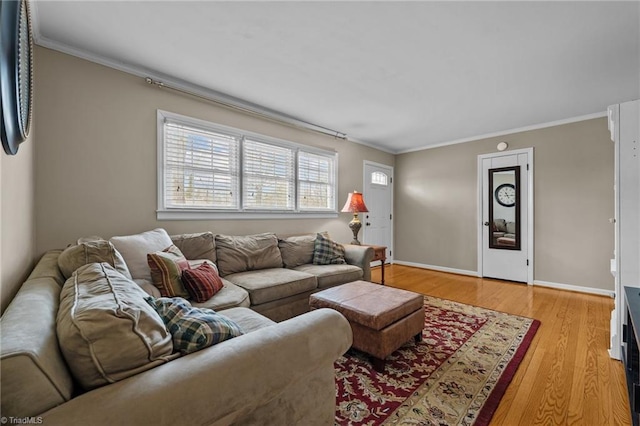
point(219, 215)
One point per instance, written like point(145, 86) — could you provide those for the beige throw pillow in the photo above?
point(247, 253)
point(134, 249)
point(94, 251)
point(297, 250)
point(197, 246)
point(106, 330)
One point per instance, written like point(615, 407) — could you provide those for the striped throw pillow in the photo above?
point(166, 271)
point(192, 328)
point(202, 283)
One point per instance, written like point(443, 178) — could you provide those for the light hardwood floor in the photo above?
point(566, 377)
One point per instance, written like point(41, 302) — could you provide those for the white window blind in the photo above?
point(316, 181)
point(200, 168)
point(268, 176)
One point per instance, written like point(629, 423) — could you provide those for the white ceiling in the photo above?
point(396, 75)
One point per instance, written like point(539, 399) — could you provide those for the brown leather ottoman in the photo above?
point(382, 318)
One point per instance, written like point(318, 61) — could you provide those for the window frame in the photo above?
point(164, 212)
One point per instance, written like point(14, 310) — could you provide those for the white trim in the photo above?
point(214, 215)
point(617, 315)
point(372, 145)
point(208, 125)
point(510, 131)
point(577, 288)
point(437, 268)
point(530, 209)
point(391, 184)
point(165, 213)
point(548, 284)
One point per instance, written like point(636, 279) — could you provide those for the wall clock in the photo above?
point(16, 73)
point(506, 195)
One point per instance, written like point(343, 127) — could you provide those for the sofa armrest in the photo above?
point(221, 384)
point(359, 256)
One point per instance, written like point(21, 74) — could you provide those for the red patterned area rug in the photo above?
point(455, 376)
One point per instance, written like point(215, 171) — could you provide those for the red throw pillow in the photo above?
point(202, 282)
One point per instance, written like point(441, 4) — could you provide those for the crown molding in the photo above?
point(510, 131)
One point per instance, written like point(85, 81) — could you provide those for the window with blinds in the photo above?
point(205, 167)
point(316, 184)
point(201, 168)
point(268, 176)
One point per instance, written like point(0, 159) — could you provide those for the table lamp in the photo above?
point(355, 204)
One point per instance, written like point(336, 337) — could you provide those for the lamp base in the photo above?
point(355, 226)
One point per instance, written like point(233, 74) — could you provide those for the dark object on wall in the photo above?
point(630, 352)
point(16, 73)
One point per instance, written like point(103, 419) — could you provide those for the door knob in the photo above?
point(486, 224)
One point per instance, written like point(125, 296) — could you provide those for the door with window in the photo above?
point(378, 196)
point(506, 216)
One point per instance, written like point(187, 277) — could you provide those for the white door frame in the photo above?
point(530, 256)
point(364, 189)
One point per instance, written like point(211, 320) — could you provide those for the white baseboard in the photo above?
point(580, 289)
point(437, 268)
point(557, 286)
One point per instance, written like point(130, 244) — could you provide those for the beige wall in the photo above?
point(97, 155)
point(17, 219)
point(436, 203)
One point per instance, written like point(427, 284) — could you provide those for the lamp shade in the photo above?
point(355, 203)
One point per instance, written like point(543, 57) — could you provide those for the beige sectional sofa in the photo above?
point(275, 373)
point(277, 285)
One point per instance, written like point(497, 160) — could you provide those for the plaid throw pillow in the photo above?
point(166, 271)
point(192, 328)
point(202, 283)
point(327, 252)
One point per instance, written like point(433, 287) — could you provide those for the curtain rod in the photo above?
point(278, 118)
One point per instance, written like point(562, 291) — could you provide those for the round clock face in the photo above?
point(506, 195)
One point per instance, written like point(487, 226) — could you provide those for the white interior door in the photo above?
point(378, 196)
point(506, 212)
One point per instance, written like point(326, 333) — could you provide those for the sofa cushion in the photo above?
point(248, 319)
point(331, 275)
point(134, 249)
point(197, 246)
point(500, 225)
point(166, 268)
point(273, 284)
point(48, 267)
point(297, 250)
point(230, 296)
point(327, 251)
point(94, 251)
point(511, 227)
point(35, 377)
point(106, 330)
point(148, 287)
point(192, 328)
point(202, 283)
point(247, 253)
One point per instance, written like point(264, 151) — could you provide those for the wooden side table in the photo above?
point(379, 253)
